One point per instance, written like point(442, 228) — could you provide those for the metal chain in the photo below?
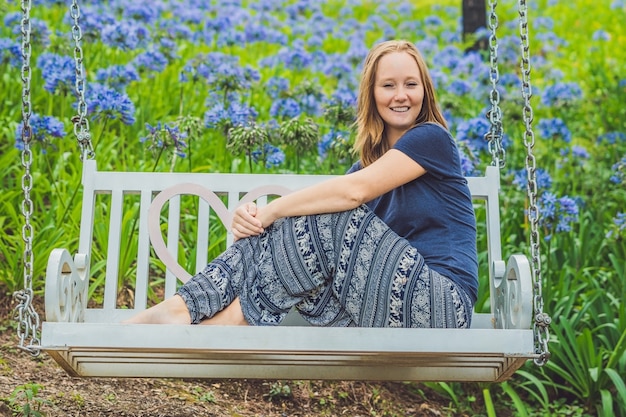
point(494, 136)
point(27, 318)
point(542, 320)
point(81, 123)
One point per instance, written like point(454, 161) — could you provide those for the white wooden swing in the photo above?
point(90, 341)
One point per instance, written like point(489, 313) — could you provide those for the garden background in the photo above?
point(269, 86)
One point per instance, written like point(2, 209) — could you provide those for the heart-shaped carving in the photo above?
point(154, 216)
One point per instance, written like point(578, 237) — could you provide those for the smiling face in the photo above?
point(398, 93)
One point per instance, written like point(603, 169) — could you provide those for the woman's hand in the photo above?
point(245, 221)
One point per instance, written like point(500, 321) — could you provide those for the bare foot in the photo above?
point(171, 311)
point(231, 316)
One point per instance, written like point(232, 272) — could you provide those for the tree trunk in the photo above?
point(474, 17)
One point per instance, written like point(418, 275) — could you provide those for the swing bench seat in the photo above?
point(83, 333)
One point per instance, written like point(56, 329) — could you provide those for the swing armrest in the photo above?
point(67, 282)
point(514, 295)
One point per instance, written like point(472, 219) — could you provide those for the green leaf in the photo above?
point(491, 411)
point(620, 387)
point(520, 406)
point(537, 389)
point(606, 406)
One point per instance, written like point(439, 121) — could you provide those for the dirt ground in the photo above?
point(54, 393)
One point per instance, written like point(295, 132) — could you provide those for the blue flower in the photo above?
point(92, 20)
point(579, 155)
point(335, 139)
point(150, 61)
point(557, 214)
point(43, 129)
point(168, 48)
point(433, 20)
point(508, 50)
point(176, 30)
point(449, 57)
point(233, 114)
point(601, 35)
point(310, 104)
point(126, 35)
point(343, 96)
point(545, 23)
point(230, 38)
point(612, 138)
point(325, 144)
point(223, 22)
point(222, 70)
point(553, 129)
point(568, 210)
point(271, 155)
point(473, 131)
point(276, 86)
point(39, 31)
point(338, 67)
point(118, 76)
point(242, 114)
point(510, 80)
point(468, 165)
point(189, 12)
point(619, 226)
point(429, 47)
point(10, 53)
point(357, 51)
point(619, 174)
point(59, 72)
point(550, 42)
point(561, 93)
point(286, 108)
point(105, 102)
point(291, 57)
point(216, 115)
point(459, 87)
point(259, 33)
point(439, 77)
point(468, 158)
point(580, 152)
point(147, 12)
point(161, 137)
point(405, 8)
point(543, 178)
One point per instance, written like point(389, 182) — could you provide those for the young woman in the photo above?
point(391, 243)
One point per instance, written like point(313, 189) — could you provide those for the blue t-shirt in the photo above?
point(434, 212)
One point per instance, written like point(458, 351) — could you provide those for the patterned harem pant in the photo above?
point(339, 269)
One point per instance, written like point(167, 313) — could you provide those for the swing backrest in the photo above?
point(153, 219)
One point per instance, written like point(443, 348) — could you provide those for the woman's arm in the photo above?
point(346, 192)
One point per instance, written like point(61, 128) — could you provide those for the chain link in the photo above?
point(494, 136)
point(542, 320)
point(27, 318)
point(81, 122)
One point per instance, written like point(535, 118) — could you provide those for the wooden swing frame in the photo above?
point(90, 341)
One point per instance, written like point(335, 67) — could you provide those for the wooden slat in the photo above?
point(113, 250)
point(202, 235)
point(173, 231)
point(143, 253)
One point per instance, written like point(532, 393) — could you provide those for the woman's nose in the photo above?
point(400, 94)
